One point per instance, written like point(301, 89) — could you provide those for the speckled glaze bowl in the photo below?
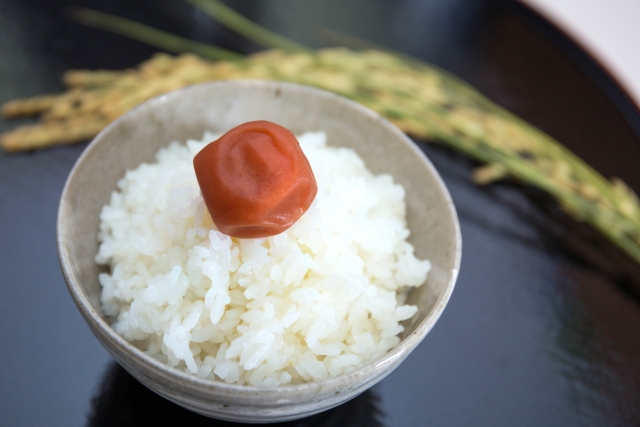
point(219, 106)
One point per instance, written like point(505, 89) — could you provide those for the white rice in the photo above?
point(317, 301)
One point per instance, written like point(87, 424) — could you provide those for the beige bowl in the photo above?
point(187, 113)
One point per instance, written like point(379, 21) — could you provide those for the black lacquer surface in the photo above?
point(544, 325)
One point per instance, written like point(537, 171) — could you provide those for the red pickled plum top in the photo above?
point(255, 180)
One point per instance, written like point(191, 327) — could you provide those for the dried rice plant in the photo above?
point(424, 101)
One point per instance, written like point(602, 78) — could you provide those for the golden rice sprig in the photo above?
point(421, 99)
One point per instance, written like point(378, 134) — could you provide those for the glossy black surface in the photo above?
point(544, 325)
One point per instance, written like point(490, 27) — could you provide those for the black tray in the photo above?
point(544, 324)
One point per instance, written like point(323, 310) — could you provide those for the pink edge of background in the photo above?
point(608, 30)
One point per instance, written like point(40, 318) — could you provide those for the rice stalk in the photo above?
point(245, 27)
point(421, 99)
point(146, 34)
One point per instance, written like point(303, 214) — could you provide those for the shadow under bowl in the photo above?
point(187, 113)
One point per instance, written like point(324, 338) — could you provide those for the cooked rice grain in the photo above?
point(317, 301)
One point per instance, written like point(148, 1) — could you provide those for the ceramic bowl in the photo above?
point(219, 106)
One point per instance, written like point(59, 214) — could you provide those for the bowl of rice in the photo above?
point(267, 329)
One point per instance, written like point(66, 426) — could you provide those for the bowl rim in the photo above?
point(401, 350)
